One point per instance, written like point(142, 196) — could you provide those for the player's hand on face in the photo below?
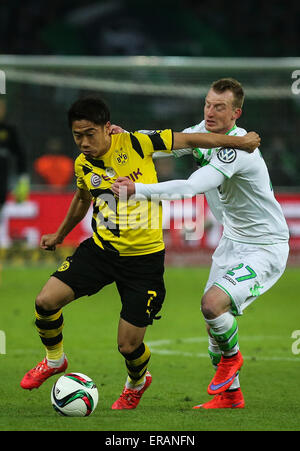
point(123, 187)
point(115, 129)
point(252, 141)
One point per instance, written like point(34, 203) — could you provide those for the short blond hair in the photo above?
point(230, 84)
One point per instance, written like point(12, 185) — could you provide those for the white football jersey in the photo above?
point(245, 202)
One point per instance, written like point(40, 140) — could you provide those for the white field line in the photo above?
point(155, 348)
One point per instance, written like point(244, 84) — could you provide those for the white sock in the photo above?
point(220, 328)
point(131, 386)
point(214, 351)
point(235, 384)
point(221, 324)
point(56, 363)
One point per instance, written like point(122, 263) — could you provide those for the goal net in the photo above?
point(155, 92)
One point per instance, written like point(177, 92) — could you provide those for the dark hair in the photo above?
point(90, 108)
point(230, 84)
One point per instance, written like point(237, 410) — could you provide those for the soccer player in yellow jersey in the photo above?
point(126, 247)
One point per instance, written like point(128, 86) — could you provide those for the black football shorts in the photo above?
point(139, 279)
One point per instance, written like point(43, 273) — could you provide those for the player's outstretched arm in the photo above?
point(77, 211)
point(202, 180)
point(248, 142)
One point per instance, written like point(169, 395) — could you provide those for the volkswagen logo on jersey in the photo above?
point(227, 155)
point(96, 180)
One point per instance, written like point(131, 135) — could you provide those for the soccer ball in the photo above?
point(74, 395)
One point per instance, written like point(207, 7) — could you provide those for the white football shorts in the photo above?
point(245, 271)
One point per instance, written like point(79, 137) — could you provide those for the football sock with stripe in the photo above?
point(49, 324)
point(214, 352)
point(224, 330)
point(136, 363)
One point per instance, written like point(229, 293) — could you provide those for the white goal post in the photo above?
point(50, 71)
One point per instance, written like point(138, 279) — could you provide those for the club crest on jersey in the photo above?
point(64, 266)
point(121, 157)
point(95, 180)
point(227, 155)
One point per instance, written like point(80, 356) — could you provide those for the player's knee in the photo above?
point(209, 306)
point(127, 347)
point(214, 303)
point(45, 302)
point(54, 295)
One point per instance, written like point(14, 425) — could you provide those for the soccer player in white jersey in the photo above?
point(253, 250)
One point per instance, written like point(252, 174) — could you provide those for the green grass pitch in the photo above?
point(179, 364)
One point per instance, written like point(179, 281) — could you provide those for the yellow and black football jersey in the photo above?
point(128, 227)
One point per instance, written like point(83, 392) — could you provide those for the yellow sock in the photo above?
point(49, 324)
point(137, 363)
point(55, 352)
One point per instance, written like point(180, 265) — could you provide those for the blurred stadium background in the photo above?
point(153, 63)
